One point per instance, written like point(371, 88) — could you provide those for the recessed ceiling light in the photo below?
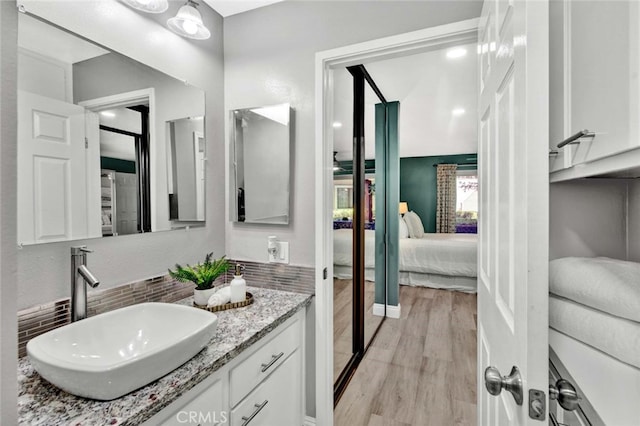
point(108, 114)
point(337, 124)
point(458, 52)
point(457, 111)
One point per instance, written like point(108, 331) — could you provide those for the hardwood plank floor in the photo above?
point(421, 368)
point(342, 321)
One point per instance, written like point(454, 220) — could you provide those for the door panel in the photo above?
point(52, 186)
point(513, 234)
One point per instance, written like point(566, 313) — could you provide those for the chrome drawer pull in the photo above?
point(255, 413)
point(274, 358)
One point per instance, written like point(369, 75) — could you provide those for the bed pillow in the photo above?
point(403, 229)
point(416, 229)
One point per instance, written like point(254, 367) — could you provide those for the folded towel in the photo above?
point(610, 285)
point(617, 337)
point(220, 297)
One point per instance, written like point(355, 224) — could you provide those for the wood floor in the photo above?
point(421, 368)
point(342, 321)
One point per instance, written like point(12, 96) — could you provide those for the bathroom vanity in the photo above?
point(252, 372)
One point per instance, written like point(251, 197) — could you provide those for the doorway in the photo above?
point(328, 63)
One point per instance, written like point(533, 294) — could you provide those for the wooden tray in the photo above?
point(246, 302)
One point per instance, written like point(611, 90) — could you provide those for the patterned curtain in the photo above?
point(446, 207)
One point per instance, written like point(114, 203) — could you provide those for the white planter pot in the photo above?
point(201, 297)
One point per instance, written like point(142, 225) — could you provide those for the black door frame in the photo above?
point(360, 76)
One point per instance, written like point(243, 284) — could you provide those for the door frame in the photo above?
point(325, 61)
point(127, 99)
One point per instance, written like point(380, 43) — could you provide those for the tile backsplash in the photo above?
point(42, 318)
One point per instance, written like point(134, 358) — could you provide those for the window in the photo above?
point(467, 202)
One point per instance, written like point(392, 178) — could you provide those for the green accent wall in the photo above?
point(118, 165)
point(387, 192)
point(418, 183)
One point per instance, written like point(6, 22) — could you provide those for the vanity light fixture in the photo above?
point(188, 22)
point(149, 6)
point(337, 124)
point(456, 112)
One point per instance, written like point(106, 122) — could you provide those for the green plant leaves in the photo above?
point(203, 274)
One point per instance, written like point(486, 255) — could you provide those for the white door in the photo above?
point(52, 187)
point(93, 172)
point(513, 241)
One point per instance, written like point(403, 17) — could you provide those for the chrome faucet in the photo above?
point(80, 276)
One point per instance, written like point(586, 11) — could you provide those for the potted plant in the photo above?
point(203, 275)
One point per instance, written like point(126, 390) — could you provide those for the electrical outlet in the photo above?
point(283, 252)
point(279, 252)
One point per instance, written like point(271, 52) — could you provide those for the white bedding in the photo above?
point(606, 284)
point(618, 337)
point(442, 254)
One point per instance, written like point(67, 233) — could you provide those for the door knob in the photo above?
point(566, 394)
point(494, 383)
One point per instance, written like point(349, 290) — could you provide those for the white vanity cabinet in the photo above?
point(594, 85)
point(264, 385)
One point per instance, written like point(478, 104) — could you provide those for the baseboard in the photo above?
point(309, 421)
point(392, 310)
point(378, 309)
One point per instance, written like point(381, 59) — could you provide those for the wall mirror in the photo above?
point(107, 146)
point(261, 156)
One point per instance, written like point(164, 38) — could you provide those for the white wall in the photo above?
point(634, 220)
point(269, 59)
point(8, 228)
point(588, 218)
point(43, 270)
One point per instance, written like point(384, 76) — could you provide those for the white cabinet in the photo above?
point(206, 408)
point(264, 385)
point(594, 82)
point(272, 403)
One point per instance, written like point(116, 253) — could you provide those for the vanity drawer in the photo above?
point(246, 375)
point(274, 402)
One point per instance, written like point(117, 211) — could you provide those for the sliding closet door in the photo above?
point(369, 244)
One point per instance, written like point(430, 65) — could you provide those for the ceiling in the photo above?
point(438, 103)
point(232, 7)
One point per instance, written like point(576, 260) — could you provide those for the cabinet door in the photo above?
point(206, 409)
point(603, 51)
point(276, 401)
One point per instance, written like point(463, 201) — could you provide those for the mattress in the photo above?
point(417, 279)
point(441, 254)
point(617, 337)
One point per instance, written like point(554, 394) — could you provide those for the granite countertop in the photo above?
point(40, 403)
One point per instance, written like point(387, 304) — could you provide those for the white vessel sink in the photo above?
point(111, 354)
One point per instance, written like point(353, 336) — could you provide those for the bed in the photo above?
point(447, 261)
point(594, 321)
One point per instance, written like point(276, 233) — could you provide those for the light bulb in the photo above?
point(189, 27)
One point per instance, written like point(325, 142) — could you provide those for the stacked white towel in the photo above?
point(220, 297)
point(610, 285)
point(615, 336)
point(597, 301)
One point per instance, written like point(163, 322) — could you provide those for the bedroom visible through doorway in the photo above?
point(436, 241)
